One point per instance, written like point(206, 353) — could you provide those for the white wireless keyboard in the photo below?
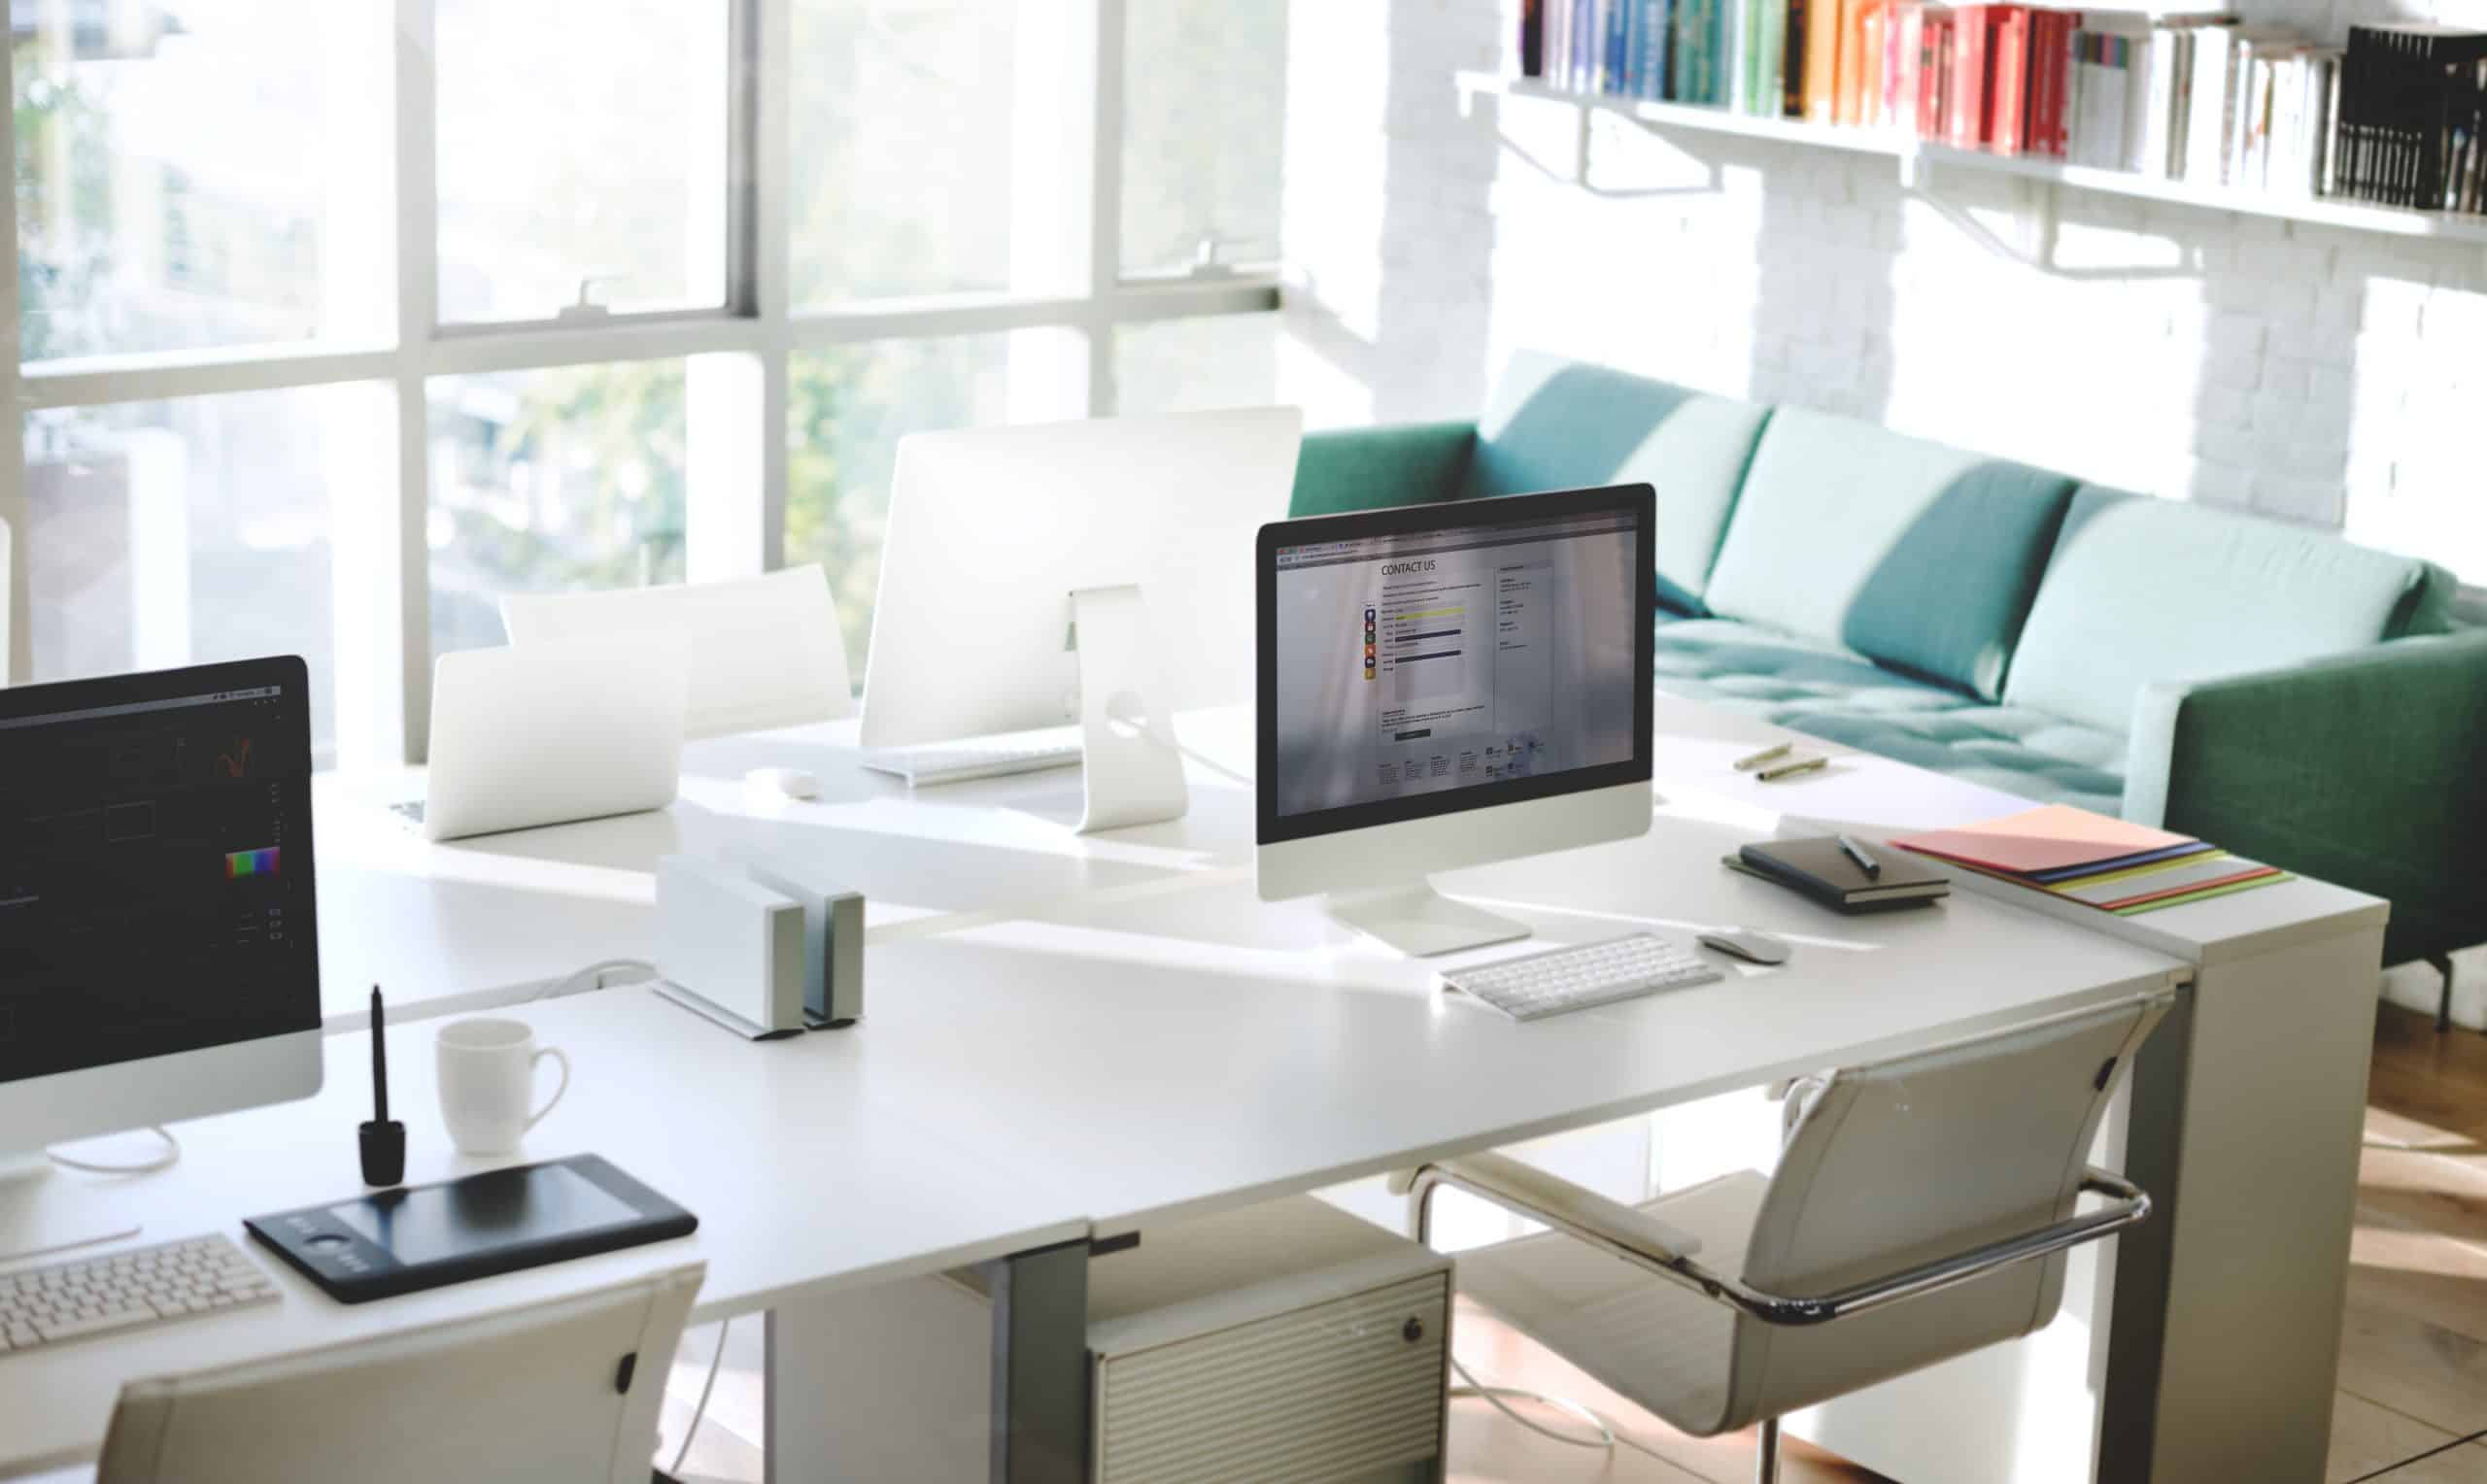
point(1538, 985)
point(957, 763)
point(119, 1291)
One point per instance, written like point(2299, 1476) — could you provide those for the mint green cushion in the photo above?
point(1374, 468)
point(2142, 589)
point(1559, 425)
point(1911, 553)
point(1822, 689)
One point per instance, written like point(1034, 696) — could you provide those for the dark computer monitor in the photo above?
point(158, 927)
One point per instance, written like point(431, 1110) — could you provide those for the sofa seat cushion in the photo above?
point(1915, 553)
point(1561, 424)
point(2142, 589)
point(1841, 696)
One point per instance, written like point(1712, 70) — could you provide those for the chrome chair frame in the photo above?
point(2131, 1207)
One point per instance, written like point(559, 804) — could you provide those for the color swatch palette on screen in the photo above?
point(250, 862)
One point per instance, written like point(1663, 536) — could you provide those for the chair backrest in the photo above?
point(764, 650)
point(567, 1390)
point(1919, 1158)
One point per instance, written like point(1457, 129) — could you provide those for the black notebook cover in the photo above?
point(1821, 869)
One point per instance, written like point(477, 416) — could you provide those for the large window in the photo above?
point(336, 322)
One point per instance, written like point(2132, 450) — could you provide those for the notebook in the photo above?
point(2051, 839)
point(1822, 871)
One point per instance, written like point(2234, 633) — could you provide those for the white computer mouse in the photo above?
point(1750, 944)
point(791, 783)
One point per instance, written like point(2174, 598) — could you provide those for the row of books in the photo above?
point(2398, 115)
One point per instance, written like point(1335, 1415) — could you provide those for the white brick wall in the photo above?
point(2309, 374)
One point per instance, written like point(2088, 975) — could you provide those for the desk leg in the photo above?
point(1040, 1366)
point(2247, 1115)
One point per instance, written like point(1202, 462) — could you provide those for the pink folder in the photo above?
point(2047, 838)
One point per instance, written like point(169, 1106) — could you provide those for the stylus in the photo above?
point(379, 1061)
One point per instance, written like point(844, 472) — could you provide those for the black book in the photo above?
point(1824, 871)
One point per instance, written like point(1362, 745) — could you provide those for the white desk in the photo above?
point(1117, 1023)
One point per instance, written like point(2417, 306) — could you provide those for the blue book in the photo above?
point(1618, 24)
point(1584, 54)
point(1653, 39)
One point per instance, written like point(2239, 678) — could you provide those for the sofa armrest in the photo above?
point(2363, 769)
point(1372, 468)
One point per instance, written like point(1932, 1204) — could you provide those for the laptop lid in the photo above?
point(573, 729)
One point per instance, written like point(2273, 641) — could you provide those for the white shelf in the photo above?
point(1917, 159)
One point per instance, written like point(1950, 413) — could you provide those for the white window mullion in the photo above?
point(402, 648)
point(1106, 197)
point(769, 143)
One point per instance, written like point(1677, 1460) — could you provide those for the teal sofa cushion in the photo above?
point(1374, 468)
point(1561, 424)
point(1825, 691)
point(2142, 589)
point(1914, 554)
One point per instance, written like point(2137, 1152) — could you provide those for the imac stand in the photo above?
point(1421, 922)
point(40, 1215)
point(1135, 773)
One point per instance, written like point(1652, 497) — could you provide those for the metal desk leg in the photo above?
point(1040, 1366)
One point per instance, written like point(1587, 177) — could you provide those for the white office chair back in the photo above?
point(1912, 1161)
point(764, 650)
point(567, 1390)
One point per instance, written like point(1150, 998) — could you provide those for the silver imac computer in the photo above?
point(991, 530)
point(1449, 685)
point(158, 949)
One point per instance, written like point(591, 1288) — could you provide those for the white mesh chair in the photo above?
point(567, 1390)
point(1920, 1209)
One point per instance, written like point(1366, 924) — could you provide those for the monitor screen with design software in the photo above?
point(1444, 660)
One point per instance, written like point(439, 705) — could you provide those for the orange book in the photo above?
point(1848, 103)
point(1874, 19)
point(1821, 58)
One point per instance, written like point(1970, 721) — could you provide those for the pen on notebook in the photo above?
point(1747, 764)
point(1792, 769)
point(1857, 852)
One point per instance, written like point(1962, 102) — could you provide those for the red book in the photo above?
point(1933, 54)
point(2008, 77)
point(1903, 36)
point(2051, 71)
point(1965, 100)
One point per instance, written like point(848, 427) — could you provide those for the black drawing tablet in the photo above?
point(402, 1241)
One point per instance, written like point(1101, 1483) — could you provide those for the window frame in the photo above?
point(737, 524)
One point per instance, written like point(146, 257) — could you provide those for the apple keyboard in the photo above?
point(959, 762)
point(1535, 986)
point(121, 1290)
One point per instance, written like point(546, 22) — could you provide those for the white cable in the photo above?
point(167, 1159)
point(1607, 1439)
point(572, 984)
point(701, 1410)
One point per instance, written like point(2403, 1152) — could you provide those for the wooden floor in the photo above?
point(2412, 1409)
point(2412, 1405)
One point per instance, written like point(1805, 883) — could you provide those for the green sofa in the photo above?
point(2290, 695)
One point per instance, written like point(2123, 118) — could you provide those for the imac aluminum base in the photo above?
point(1421, 922)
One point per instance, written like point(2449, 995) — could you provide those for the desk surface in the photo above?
point(1064, 1030)
point(805, 1160)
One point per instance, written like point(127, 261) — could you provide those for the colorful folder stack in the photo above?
point(2110, 865)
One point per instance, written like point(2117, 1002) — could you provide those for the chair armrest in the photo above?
point(1525, 1190)
point(2362, 769)
point(1374, 468)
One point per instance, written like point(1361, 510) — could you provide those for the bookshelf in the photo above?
point(1918, 160)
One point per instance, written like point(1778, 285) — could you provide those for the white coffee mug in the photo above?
point(488, 1080)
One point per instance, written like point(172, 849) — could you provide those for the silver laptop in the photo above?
point(573, 729)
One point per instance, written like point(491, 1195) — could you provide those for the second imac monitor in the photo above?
point(1449, 685)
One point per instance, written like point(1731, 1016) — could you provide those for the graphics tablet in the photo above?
point(419, 1236)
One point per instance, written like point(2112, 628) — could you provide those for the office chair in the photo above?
point(567, 1390)
point(1920, 1209)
